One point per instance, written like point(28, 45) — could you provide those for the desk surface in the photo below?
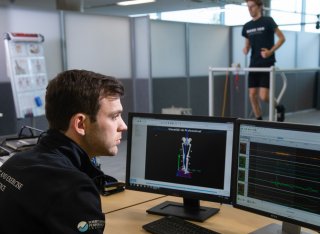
point(130, 220)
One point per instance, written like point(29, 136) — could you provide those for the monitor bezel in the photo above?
point(174, 192)
point(268, 124)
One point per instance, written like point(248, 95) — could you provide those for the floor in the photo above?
point(116, 166)
point(306, 117)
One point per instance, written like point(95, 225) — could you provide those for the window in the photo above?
point(236, 14)
point(287, 16)
point(312, 10)
point(210, 15)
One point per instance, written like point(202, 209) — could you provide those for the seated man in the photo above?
point(54, 187)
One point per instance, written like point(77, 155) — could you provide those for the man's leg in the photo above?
point(264, 96)
point(254, 100)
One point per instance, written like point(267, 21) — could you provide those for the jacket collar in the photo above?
point(61, 144)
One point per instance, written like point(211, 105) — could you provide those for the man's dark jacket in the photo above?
point(53, 188)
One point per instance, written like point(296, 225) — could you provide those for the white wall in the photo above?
point(98, 43)
point(209, 47)
point(168, 47)
point(286, 54)
point(142, 46)
point(237, 45)
point(3, 29)
point(29, 21)
point(308, 50)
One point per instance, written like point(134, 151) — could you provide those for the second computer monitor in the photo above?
point(278, 173)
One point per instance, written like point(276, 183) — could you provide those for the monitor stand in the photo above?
point(285, 228)
point(190, 209)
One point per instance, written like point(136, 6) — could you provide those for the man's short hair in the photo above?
point(78, 91)
point(257, 2)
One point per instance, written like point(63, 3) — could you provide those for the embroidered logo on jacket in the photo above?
point(84, 226)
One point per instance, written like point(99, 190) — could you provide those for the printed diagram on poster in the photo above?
point(26, 68)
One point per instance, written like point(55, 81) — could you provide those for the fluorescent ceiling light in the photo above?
point(134, 2)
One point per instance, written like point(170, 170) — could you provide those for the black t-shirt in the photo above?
point(261, 35)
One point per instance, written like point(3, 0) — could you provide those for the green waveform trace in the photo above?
point(292, 186)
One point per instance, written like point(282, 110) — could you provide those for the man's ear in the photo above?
point(78, 123)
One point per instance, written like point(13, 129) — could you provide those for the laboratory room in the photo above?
point(160, 116)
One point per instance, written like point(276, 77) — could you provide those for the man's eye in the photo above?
point(115, 116)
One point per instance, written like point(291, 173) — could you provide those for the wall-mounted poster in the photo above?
point(26, 68)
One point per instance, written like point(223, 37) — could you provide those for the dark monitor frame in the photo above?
point(290, 224)
point(191, 208)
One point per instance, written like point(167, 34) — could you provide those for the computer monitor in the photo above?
point(278, 173)
point(181, 155)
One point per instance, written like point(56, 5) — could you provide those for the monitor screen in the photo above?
point(181, 155)
point(278, 173)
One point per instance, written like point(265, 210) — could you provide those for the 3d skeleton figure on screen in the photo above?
point(183, 163)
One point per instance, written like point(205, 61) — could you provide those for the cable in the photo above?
point(31, 129)
point(225, 94)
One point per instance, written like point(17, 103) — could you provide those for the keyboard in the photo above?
point(175, 225)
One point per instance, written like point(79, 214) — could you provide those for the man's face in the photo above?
point(254, 9)
point(103, 136)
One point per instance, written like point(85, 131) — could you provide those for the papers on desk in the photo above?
point(5, 154)
point(21, 144)
point(4, 151)
point(4, 158)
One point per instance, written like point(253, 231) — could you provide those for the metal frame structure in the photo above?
point(272, 70)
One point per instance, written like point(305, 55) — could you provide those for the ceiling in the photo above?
point(109, 7)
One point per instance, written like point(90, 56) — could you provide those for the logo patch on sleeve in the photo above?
point(85, 226)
